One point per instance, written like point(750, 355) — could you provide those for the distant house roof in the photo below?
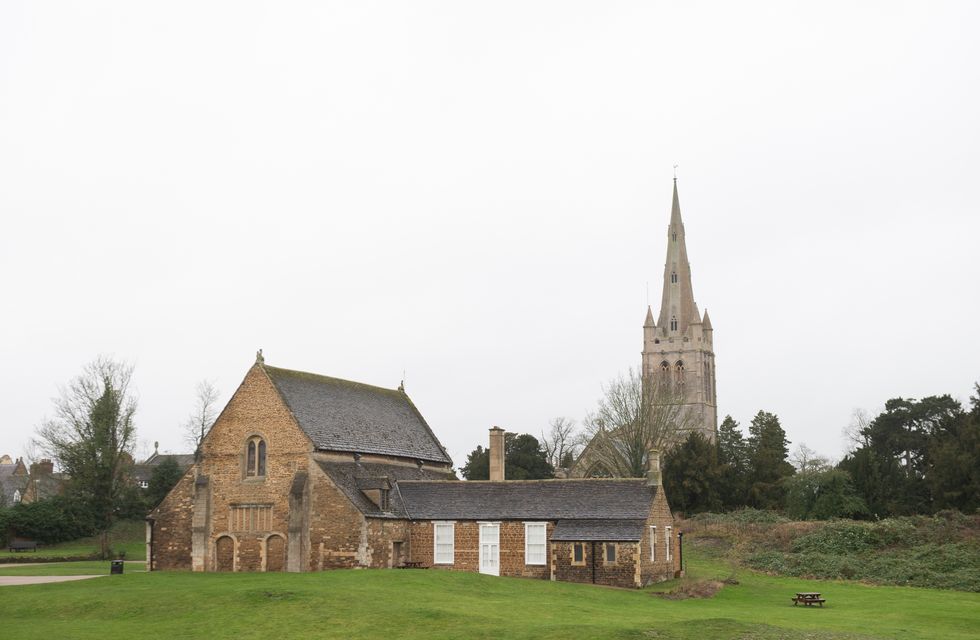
point(611, 530)
point(10, 483)
point(353, 478)
point(144, 470)
point(183, 460)
point(591, 499)
point(340, 415)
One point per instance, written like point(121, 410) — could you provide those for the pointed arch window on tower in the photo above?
point(673, 277)
point(673, 323)
point(673, 236)
point(679, 371)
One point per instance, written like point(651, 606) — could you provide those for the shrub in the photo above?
point(839, 537)
point(49, 521)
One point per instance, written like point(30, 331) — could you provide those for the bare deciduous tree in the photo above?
point(632, 418)
point(92, 436)
point(202, 418)
point(561, 444)
point(806, 459)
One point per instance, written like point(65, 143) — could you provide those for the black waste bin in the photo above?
point(117, 567)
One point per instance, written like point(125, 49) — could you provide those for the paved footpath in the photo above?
point(9, 581)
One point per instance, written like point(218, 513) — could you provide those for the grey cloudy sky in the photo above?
point(478, 193)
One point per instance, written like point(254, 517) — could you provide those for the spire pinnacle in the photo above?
point(649, 321)
point(677, 307)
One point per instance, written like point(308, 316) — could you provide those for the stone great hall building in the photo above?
point(304, 472)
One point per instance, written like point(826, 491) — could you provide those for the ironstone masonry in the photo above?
point(303, 472)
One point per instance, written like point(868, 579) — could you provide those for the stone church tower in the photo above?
point(678, 347)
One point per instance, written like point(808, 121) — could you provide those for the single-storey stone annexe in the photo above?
point(303, 472)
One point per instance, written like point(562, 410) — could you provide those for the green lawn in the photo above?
point(435, 604)
point(126, 536)
point(82, 568)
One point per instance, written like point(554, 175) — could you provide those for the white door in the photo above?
point(490, 549)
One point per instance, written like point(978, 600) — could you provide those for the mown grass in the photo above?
point(125, 537)
point(431, 604)
point(79, 568)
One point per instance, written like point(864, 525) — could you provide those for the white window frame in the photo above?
point(653, 543)
point(667, 532)
point(543, 528)
point(445, 558)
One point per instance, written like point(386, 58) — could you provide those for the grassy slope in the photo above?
point(126, 536)
point(435, 604)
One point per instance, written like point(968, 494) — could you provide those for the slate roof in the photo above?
point(353, 477)
point(143, 471)
point(612, 530)
point(585, 499)
point(340, 415)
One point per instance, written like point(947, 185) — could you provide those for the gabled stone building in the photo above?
point(13, 480)
point(303, 472)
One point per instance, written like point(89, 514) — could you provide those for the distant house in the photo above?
point(143, 471)
point(43, 482)
point(13, 480)
point(303, 472)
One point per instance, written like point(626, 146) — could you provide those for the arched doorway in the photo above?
point(224, 554)
point(275, 553)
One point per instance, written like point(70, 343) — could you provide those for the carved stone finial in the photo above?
point(259, 358)
point(401, 386)
point(156, 447)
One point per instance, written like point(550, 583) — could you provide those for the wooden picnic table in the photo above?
point(808, 598)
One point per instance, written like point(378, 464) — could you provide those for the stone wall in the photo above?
point(658, 569)
point(382, 534)
point(595, 569)
point(171, 534)
point(467, 548)
point(336, 526)
point(255, 409)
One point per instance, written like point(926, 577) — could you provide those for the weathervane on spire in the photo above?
point(675, 172)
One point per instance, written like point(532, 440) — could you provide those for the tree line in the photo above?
point(915, 457)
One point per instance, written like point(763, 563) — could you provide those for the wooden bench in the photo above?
point(808, 598)
point(22, 545)
point(413, 565)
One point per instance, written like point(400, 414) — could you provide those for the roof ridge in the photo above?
point(320, 376)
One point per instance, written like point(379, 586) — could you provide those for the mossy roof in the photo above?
point(341, 415)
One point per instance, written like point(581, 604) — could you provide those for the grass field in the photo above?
point(435, 604)
point(81, 568)
point(125, 536)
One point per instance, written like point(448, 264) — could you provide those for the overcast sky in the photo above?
point(477, 194)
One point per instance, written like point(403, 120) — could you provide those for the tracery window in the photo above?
point(255, 457)
point(679, 371)
point(673, 323)
point(673, 277)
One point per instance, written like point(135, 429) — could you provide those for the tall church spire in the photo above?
point(677, 306)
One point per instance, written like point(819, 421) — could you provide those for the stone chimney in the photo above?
point(653, 468)
point(43, 467)
point(497, 454)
